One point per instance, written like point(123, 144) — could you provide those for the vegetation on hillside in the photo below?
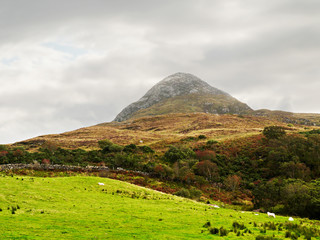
point(273, 171)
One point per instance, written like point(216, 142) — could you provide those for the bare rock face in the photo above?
point(178, 84)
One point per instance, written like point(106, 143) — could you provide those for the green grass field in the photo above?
point(79, 208)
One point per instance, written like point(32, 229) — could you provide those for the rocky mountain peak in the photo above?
point(175, 85)
point(180, 84)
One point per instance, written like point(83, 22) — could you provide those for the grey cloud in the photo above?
point(263, 52)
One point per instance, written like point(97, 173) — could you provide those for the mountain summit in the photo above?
point(182, 93)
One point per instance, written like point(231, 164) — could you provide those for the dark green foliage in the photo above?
point(273, 132)
point(195, 193)
point(207, 224)
point(104, 143)
point(260, 237)
point(223, 232)
point(130, 148)
point(314, 131)
point(108, 147)
point(211, 142)
point(287, 234)
point(3, 147)
point(146, 149)
point(13, 209)
point(263, 230)
point(175, 154)
point(188, 139)
point(183, 193)
point(202, 137)
point(214, 230)
point(237, 225)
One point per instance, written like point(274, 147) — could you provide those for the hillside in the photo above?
point(79, 208)
point(160, 131)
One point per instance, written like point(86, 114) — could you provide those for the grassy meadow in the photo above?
point(78, 208)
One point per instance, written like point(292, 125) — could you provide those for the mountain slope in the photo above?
point(158, 131)
point(182, 93)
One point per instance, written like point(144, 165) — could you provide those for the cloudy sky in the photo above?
point(76, 63)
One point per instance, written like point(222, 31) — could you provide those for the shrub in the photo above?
point(202, 137)
point(104, 143)
point(146, 149)
point(130, 148)
point(195, 193)
point(174, 154)
point(183, 193)
point(237, 225)
point(13, 209)
point(214, 230)
point(107, 146)
point(188, 139)
point(211, 142)
point(223, 232)
point(115, 148)
point(287, 234)
point(273, 132)
point(207, 224)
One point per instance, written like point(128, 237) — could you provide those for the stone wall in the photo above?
point(57, 167)
point(51, 167)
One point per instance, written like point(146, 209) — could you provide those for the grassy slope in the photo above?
point(78, 208)
point(159, 131)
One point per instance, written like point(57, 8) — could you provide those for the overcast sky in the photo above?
point(66, 64)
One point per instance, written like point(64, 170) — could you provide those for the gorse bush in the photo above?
point(183, 193)
point(273, 132)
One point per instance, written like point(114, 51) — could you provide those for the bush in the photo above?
point(174, 154)
point(146, 149)
point(211, 142)
point(183, 192)
point(214, 230)
point(195, 193)
point(273, 132)
point(237, 225)
point(223, 232)
point(104, 143)
point(207, 224)
point(130, 148)
point(202, 137)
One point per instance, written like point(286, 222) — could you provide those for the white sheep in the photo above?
point(101, 184)
point(271, 214)
point(291, 219)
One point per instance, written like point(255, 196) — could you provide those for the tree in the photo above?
point(273, 132)
point(232, 182)
point(174, 154)
point(296, 197)
point(207, 169)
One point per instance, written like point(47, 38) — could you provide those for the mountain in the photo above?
point(182, 93)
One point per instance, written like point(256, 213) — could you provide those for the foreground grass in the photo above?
point(79, 208)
